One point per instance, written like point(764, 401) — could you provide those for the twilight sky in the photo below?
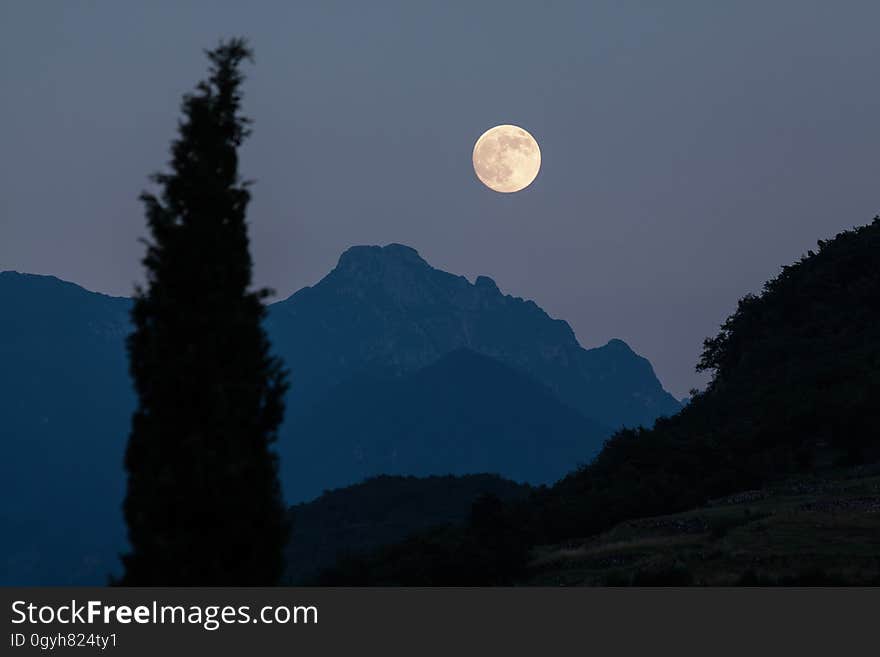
point(689, 148)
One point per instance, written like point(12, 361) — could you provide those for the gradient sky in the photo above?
point(689, 148)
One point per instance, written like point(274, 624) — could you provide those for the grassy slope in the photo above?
point(822, 529)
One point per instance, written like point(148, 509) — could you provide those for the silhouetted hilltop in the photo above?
point(351, 521)
point(795, 387)
point(386, 310)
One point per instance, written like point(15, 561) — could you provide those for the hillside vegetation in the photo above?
point(806, 530)
point(350, 522)
point(796, 378)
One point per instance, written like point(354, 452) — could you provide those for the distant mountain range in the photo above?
point(397, 368)
point(384, 309)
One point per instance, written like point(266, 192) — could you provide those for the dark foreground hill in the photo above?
point(807, 530)
point(795, 389)
point(349, 522)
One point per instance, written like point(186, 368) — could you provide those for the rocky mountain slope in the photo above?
point(384, 309)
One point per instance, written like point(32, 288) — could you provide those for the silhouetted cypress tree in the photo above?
point(203, 505)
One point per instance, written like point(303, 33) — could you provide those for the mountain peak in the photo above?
point(360, 256)
point(485, 282)
point(618, 345)
point(384, 309)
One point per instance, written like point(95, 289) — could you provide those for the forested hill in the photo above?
point(796, 378)
point(351, 521)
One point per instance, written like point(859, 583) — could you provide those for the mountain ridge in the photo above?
point(355, 314)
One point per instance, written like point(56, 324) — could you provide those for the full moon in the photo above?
point(506, 158)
